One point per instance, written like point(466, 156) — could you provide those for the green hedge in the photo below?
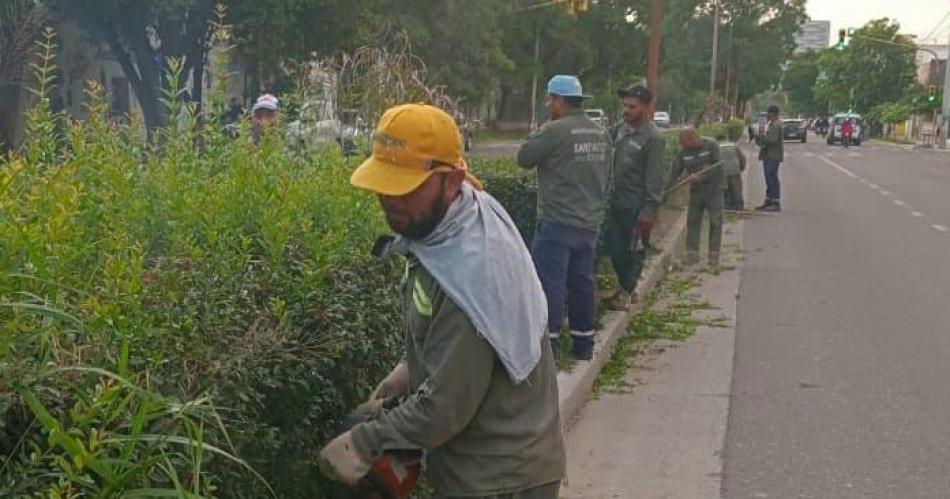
point(168, 311)
point(732, 129)
point(515, 188)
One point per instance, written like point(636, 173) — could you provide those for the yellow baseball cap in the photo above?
point(411, 143)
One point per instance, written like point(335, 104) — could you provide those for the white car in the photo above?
point(598, 116)
point(834, 134)
point(662, 119)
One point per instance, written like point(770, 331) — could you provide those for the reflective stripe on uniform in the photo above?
point(420, 299)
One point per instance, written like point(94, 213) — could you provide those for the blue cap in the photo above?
point(565, 86)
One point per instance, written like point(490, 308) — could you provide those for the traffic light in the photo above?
point(931, 93)
point(842, 33)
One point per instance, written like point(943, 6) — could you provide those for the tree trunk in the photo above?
point(144, 77)
point(9, 107)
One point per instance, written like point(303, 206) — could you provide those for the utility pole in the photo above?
point(713, 64)
point(534, 79)
point(945, 120)
point(653, 59)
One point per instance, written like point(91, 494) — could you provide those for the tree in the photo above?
point(271, 34)
point(20, 22)
point(459, 40)
point(876, 67)
point(801, 76)
point(142, 34)
point(762, 39)
point(756, 38)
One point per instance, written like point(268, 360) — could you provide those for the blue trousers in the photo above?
point(773, 187)
point(564, 259)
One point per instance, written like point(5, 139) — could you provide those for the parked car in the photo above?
point(317, 128)
point(598, 116)
point(834, 130)
point(662, 119)
point(795, 129)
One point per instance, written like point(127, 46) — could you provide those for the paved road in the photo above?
point(495, 149)
point(841, 383)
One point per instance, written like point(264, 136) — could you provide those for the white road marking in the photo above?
point(809, 154)
point(897, 202)
point(839, 167)
point(854, 154)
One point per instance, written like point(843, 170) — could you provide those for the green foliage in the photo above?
point(668, 313)
point(515, 188)
point(732, 129)
point(755, 38)
point(712, 130)
point(877, 67)
point(892, 112)
point(20, 23)
point(166, 311)
point(801, 76)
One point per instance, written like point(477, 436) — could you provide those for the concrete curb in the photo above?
point(892, 145)
point(906, 147)
point(575, 387)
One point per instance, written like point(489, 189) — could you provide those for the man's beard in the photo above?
point(419, 229)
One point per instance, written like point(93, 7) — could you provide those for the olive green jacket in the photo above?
point(733, 159)
point(638, 168)
point(772, 144)
point(694, 160)
point(572, 157)
point(482, 434)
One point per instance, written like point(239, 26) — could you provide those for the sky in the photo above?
point(916, 17)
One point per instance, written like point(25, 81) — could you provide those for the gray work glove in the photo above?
point(339, 461)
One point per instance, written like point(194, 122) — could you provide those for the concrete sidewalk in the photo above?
point(664, 438)
point(575, 385)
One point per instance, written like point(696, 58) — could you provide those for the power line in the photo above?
point(936, 27)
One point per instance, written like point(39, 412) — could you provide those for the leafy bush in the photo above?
point(515, 188)
point(167, 309)
point(732, 129)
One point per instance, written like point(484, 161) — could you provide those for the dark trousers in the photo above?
point(627, 254)
point(564, 259)
point(704, 199)
point(773, 188)
point(733, 194)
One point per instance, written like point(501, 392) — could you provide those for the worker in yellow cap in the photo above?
point(476, 391)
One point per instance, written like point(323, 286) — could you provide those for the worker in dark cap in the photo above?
point(771, 152)
point(637, 191)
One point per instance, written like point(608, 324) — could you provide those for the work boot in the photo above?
point(774, 206)
point(583, 348)
point(620, 301)
point(765, 205)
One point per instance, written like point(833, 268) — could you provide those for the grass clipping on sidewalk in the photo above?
point(668, 314)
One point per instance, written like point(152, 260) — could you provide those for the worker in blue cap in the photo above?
point(571, 155)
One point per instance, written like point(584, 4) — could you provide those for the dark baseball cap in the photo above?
point(773, 109)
